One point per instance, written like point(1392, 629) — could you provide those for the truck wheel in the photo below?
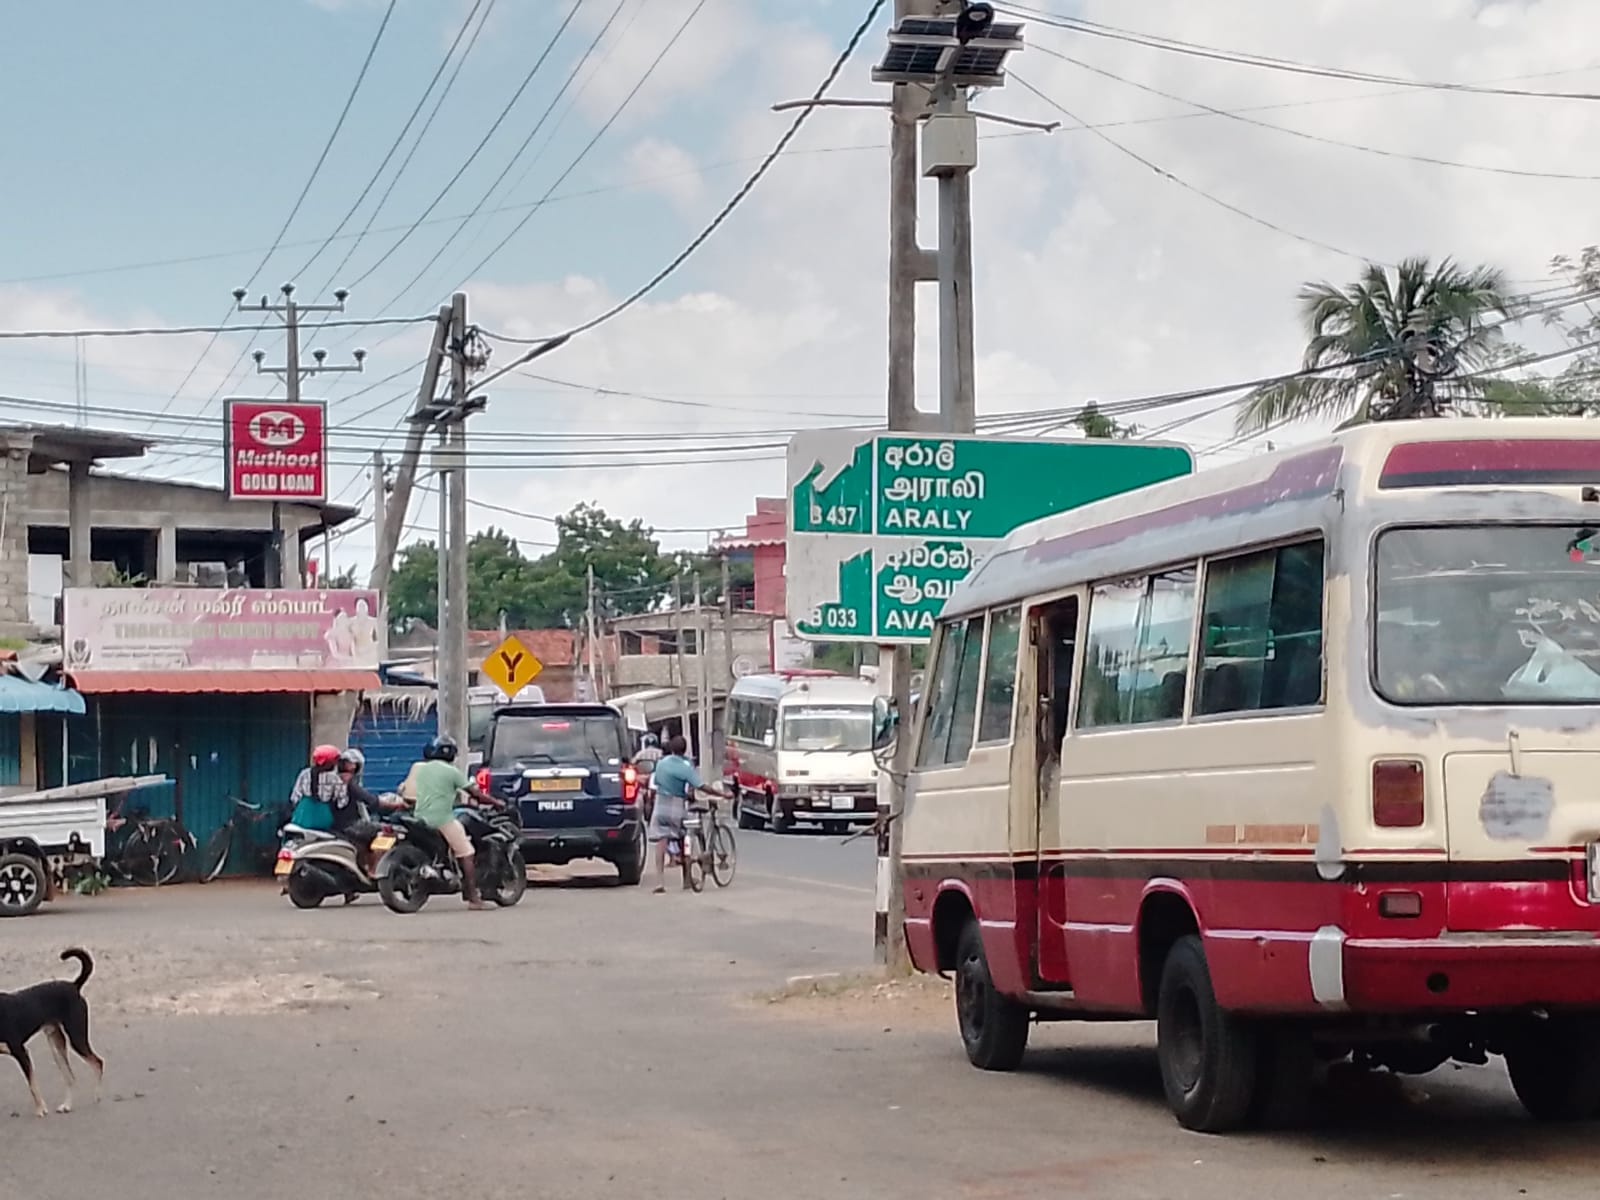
point(22, 885)
point(1555, 1069)
point(1208, 1057)
point(994, 1028)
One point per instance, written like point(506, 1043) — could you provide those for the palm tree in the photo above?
point(1389, 346)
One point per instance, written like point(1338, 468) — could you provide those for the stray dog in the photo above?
point(59, 1009)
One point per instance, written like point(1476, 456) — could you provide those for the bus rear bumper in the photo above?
point(1457, 972)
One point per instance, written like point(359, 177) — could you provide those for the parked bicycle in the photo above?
point(219, 846)
point(708, 847)
point(151, 850)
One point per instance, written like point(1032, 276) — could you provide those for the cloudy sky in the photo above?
point(158, 152)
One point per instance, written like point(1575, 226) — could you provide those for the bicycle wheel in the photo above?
point(724, 855)
point(694, 860)
point(214, 858)
point(171, 850)
point(137, 858)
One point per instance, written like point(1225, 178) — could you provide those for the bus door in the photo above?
point(1053, 633)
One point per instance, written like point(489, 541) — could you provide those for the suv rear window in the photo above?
point(528, 739)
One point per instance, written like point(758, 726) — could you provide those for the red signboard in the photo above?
point(277, 451)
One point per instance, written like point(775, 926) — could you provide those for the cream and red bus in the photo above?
point(1299, 756)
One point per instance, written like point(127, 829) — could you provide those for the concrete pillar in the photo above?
point(293, 576)
point(167, 551)
point(14, 513)
point(79, 572)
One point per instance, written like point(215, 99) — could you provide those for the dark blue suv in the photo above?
point(566, 767)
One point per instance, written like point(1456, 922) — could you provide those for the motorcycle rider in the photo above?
point(355, 817)
point(311, 795)
point(434, 784)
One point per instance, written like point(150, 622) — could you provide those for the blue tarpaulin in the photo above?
point(18, 695)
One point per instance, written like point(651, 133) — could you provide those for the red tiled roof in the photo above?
point(552, 647)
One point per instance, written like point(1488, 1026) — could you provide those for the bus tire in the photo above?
point(775, 818)
point(1555, 1069)
point(1208, 1056)
point(994, 1027)
point(747, 819)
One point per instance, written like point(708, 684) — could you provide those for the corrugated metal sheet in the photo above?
point(10, 750)
point(214, 748)
point(238, 682)
point(18, 695)
point(392, 738)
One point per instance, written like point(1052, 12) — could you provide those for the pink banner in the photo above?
point(175, 629)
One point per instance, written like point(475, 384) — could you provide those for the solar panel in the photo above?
point(920, 46)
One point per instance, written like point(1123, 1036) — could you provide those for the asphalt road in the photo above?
point(600, 1041)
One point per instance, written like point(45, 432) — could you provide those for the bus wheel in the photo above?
point(1208, 1057)
point(776, 818)
point(1555, 1069)
point(747, 820)
point(994, 1028)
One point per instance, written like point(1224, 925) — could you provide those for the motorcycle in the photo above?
point(320, 867)
point(420, 864)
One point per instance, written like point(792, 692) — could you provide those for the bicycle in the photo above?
point(703, 853)
point(153, 850)
point(214, 858)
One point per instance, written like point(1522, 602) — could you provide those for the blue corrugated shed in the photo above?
point(213, 747)
point(10, 750)
point(391, 735)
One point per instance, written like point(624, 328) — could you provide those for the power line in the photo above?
point(422, 134)
point(170, 330)
point(522, 149)
point(1269, 62)
point(598, 134)
point(749, 184)
point(1187, 186)
point(316, 169)
point(394, 146)
point(478, 149)
point(1313, 137)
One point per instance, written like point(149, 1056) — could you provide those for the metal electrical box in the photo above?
point(949, 144)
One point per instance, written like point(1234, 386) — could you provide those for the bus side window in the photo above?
point(952, 704)
point(1000, 676)
point(1262, 639)
point(1056, 634)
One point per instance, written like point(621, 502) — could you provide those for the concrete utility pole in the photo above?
point(594, 674)
point(292, 373)
point(453, 550)
point(380, 502)
point(677, 638)
point(405, 475)
point(703, 686)
point(727, 624)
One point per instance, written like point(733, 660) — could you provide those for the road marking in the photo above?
point(821, 883)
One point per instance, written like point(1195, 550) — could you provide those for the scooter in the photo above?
point(332, 866)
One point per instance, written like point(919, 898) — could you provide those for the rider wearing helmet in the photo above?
point(434, 783)
point(649, 755)
point(311, 794)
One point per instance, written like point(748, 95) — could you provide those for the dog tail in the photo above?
point(84, 961)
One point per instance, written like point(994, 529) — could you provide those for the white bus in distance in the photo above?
point(799, 748)
point(1299, 756)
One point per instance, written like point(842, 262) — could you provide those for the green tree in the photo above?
point(1390, 345)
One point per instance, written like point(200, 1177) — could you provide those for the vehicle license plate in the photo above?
point(844, 804)
point(281, 867)
point(555, 806)
point(382, 842)
point(548, 785)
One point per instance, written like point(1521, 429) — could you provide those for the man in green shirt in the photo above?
point(432, 787)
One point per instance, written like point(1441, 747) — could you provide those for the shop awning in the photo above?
point(18, 695)
point(97, 683)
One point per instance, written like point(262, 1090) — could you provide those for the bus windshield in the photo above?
point(818, 728)
point(1489, 614)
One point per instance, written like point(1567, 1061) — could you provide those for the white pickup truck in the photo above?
point(50, 838)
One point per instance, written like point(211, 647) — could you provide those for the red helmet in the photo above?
point(324, 756)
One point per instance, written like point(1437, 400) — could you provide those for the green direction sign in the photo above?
point(884, 526)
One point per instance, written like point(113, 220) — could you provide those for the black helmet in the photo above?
point(441, 748)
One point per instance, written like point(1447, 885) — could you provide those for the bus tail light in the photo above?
point(484, 779)
point(1397, 794)
point(630, 784)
